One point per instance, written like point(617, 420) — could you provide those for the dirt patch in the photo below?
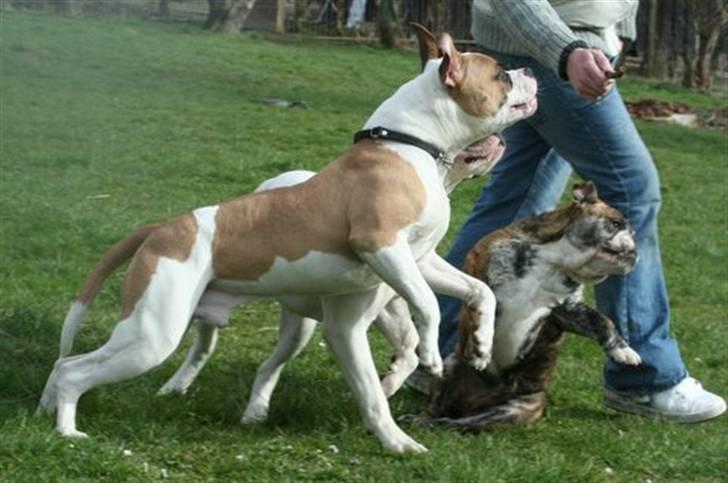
point(679, 113)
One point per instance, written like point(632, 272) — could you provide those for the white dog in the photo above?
point(375, 214)
point(296, 327)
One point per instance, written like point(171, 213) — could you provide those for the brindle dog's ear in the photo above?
point(585, 192)
point(427, 43)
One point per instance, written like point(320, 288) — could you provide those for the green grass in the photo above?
point(107, 125)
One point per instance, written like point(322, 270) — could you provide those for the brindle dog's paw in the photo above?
point(415, 420)
point(625, 355)
point(478, 354)
point(480, 362)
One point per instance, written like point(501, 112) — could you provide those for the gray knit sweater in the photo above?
point(542, 29)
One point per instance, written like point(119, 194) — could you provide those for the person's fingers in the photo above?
point(608, 86)
point(594, 75)
point(602, 61)
point(586, 90)
point(586, 75)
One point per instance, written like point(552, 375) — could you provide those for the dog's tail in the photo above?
point(115, 256)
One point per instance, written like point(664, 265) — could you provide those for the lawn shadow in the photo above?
point(28, 349)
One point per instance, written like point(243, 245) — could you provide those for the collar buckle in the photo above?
point(378, 133)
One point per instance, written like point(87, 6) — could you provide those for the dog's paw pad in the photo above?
point(406, 445)
point(73, 433)
point(626, 355)
point(255, 416)
point(480, 362)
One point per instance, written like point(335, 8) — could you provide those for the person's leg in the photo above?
point(602, 143)
point(527, 181)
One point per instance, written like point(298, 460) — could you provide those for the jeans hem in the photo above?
point(647, 389)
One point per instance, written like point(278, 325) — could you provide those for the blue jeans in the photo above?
point(600, 142)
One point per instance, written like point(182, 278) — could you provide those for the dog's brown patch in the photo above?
point(479, 93)
point(119, 253)
point(174, 240)
point(476, 265)
point(472, 400)
point(357, 203)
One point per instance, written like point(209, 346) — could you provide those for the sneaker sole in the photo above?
point(619, 404)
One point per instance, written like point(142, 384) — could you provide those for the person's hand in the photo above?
point(586, 69)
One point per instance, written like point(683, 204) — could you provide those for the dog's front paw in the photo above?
point(415, 420)
point(432, 361)
point(478, 352)
point(626, 355)
point(172, 386)
point(402, 443)
point(254, 415)
point(480, 363)
point(72, 433)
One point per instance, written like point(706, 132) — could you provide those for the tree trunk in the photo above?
point(163, 8)
point(388, 26)
point(705, 57)
point(705, 21)
point(227, 15)
point(239, 11)
point(651, 51)
point(660, 55)
point(280, 16)
point(215, 14)
point(299, 13)
point(69, 8)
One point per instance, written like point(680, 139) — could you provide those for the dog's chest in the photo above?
point(526, 289)
point(425, 234)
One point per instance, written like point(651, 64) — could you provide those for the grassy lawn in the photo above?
point(106, 125)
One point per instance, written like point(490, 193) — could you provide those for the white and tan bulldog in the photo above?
point(375, 214)
point(299, 314)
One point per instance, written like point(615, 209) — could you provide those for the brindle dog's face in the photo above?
point(603, 230)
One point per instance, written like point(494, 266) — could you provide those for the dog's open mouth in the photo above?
point(618, 256)
point(528, 107)
point(489, 149)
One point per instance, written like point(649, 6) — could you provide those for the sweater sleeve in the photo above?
point(534, 27)
point(627, 28)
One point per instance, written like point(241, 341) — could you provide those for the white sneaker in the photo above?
point(686, 402)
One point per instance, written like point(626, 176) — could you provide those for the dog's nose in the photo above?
point(528, 72)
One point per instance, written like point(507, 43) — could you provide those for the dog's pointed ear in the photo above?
point(427, 44)
point(451, 69)
point(585, 192)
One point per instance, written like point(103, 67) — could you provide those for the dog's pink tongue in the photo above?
point(484, 148)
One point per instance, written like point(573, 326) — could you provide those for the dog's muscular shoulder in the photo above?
point(359, 202)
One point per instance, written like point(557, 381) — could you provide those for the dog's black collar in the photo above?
point(380, 132)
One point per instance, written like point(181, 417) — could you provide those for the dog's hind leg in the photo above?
point(212, 312)
point(346, 320)
point(138, 343)
point(294, 334)
point(397, 326)
point(199, 353)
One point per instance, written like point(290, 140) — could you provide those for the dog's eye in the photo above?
point(617, 224)
point(503, 77)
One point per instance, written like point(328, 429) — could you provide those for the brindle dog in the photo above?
point(537, 269)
